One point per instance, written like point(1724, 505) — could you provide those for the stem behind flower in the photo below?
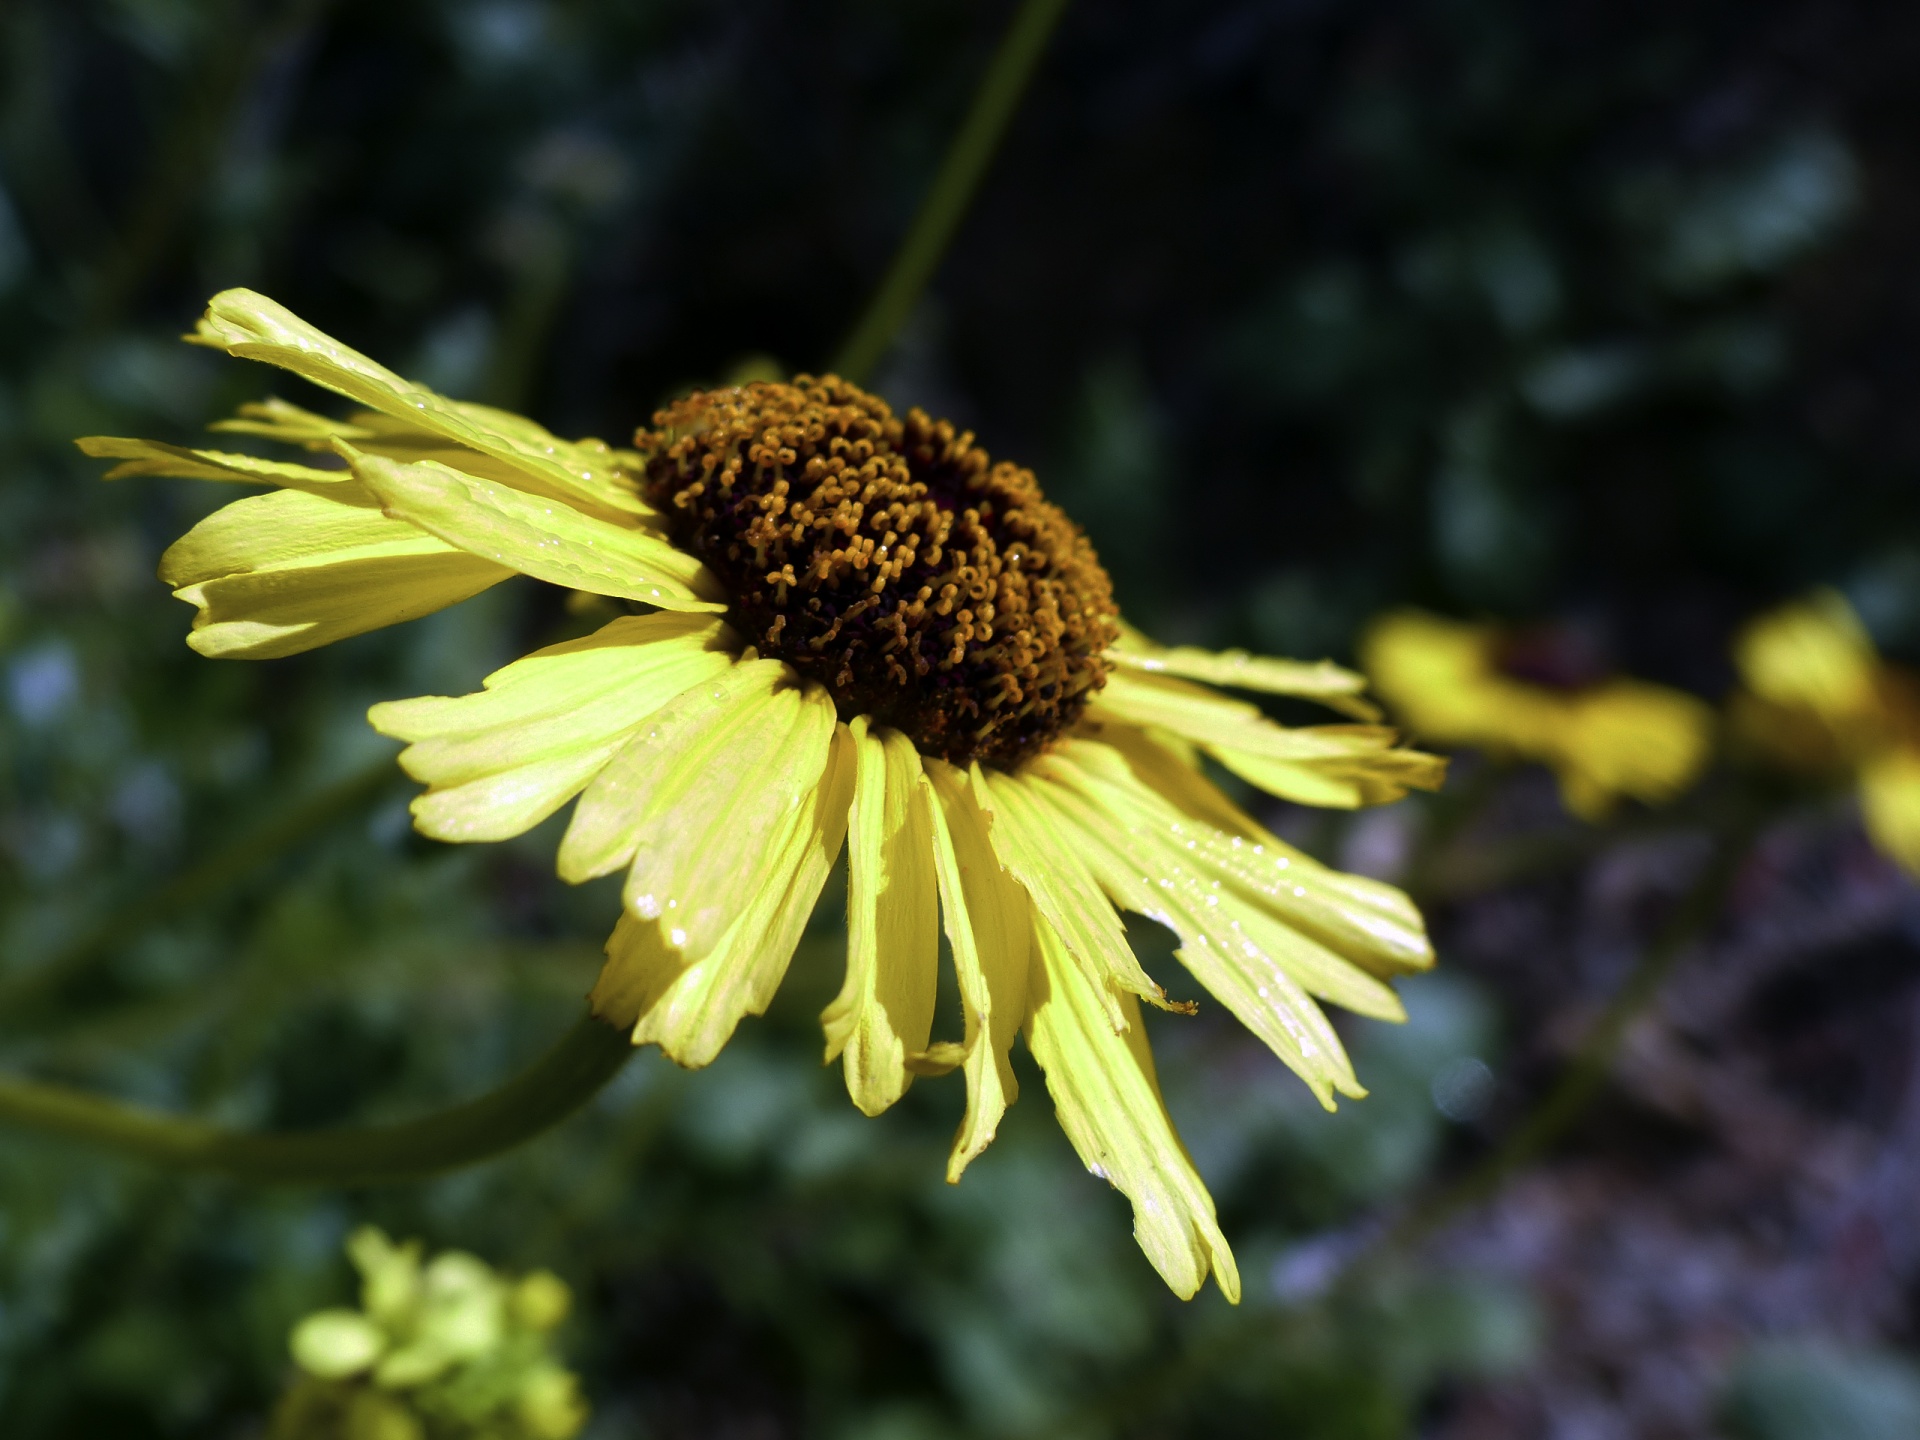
point(966, 162)
point(535, 1100)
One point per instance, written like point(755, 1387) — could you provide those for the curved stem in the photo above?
point(535, 1100)
point(966, 161)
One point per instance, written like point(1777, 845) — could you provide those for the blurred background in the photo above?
point(1603, 315)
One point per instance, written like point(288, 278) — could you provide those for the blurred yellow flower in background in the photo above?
point(1453, 683)
point(1818, 699)
point(863, 632)
point(447, 1349)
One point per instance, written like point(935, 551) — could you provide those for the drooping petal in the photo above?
point(1259, 968)
point(989, 928)
point(690, 1008)
point(705, 783)
point(1333, 765)
point(1108, 1099)
point(1246, 959)
point(1322, 680)
point(150, 457)
point(1320, 971)
point(884, 1011)
point(1369, 923)
point(499, 761)
point(280, 573)
point(545, 538)
point(249, 325)
point(1043, 860)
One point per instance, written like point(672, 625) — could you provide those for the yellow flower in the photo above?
point(861, 631)
point(1454, 683)
point(1819, 699)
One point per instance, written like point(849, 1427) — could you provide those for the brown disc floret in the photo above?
point(889, 559)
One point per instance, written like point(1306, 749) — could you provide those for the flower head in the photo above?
point(1603, 736)
point(1818, 698)
point(861, 633)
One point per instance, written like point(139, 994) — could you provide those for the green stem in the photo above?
point(540, 1097)
point(966, 161)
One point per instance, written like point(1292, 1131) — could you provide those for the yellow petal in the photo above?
point(1342, 767)
point(690, 1008)
point(1630, 738)
point(276, 419)
point(538, 536)
point(703, 785)
point(1890, 805)
point(516, 427)
point(1302, 784)
point(1334, 765)
point(287, 612)
point(288, 571)
point(1619, 737)
point(942, 1057)
point(289, 530)
point(1814, 654)
point(249, 325)
point(501, 760)
point(1108, 1100)
point(1434, 673)
point(150, 457)
point(1188, 710)
point(687, 869)
point(1235, 971)
point(1259, 968)
point(1371, 924)
point(988, 927)
point(1441, 680)
point(1374, 925)
point(604, 830)
point(884, 1011)
point(1322, 680)
point(1042, 858)
point(377, 434)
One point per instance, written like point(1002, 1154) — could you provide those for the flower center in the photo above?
point(890, 560)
